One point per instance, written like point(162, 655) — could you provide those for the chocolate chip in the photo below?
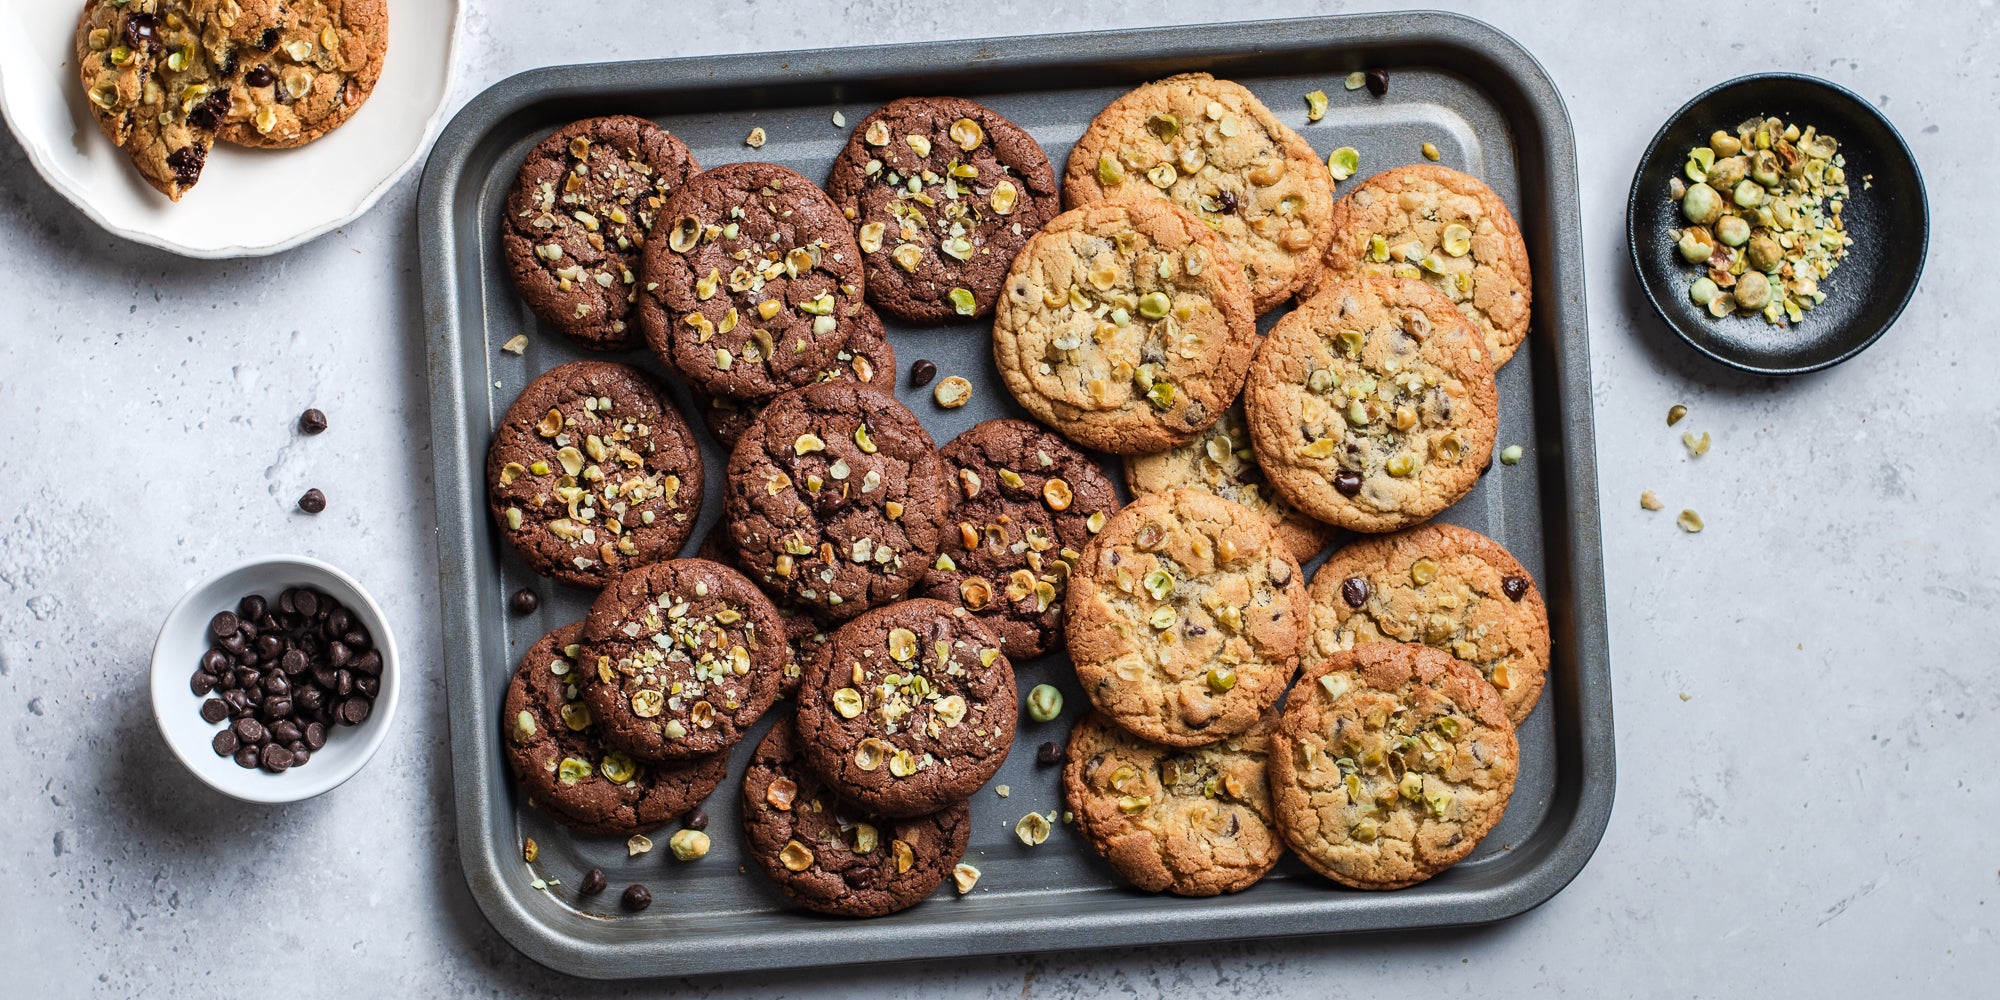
point(311, 421)
point(251, 608)
point(275, 707)
point(637, 897)
point(1378, 81)
point(293, 663)
point(1515, 587)
point(1228, 200)
point(593, 882)
point(250, 731)
point(213, 710)
point(368, 685)
point(260, 75)
point(524, 602)
point(315, 736)
point(300, 755)
point(370, 664)
point(269, 39)
point(141, 31)
point(696, 820)
point(225, 743)
point(313, 502)
point(213, 662)
point(354, 711)
point(286, 731)
point(1047, 754)
point(338, 654)
point(1354, 590)
point(224, 625)
point(921, 373)
point(246, 758)
point(187, 163)
point(270, 647)
point(1348, 482)
point(276, 758)
point(201, 683)
point(306, 601)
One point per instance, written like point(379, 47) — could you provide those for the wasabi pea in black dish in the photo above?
point(1886, 215)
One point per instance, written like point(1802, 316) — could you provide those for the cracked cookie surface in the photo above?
point(580, 212)
point(1447, 587)
point(1186, 618)
point(680, 658)
point(1212, 148)
point(867, 359)
point(832, 857)
point(1194, 822)
point(1221, 461)
point(836, 499)
point(908, 709)
point(750, 282)
point(316, 63)
point(1389, 764)
point(1123, 327)
point(942, 193)
point(1025, 503)
point(1371, 406)
point(1449, 230)
point(552, 748)
point(592, 472)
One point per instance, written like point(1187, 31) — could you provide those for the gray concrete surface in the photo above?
point(1804, 692)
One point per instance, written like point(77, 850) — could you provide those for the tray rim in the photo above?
point(1577, 818)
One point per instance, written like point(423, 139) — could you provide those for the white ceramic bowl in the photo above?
point(184, 638)
point(249, 202)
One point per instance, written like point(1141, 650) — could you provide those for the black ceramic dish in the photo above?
point(1887, 215)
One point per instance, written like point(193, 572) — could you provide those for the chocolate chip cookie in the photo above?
point(1372, 406)
point(592, 472)
point(1221, 461)
point(910, 709)
point(1194, 822)
point(942, 193)
point(1025, 504)
point(1449, 230)
point(157, 75)
point(836, 499)
point(1124, 327)
point(680, 658)
point(317, 61)
point(552, 749)
point(1212, 148)
point(1447, 587)
point(1389, 764)
point(579, 214)
point(1186, 618)
point(868, 359)
point(754, 285)
point(832, 857)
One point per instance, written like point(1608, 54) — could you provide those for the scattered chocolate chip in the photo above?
point(1348, 482)
point(1354, 590)
point(1048, 754)
point(1378, 81)
point(313, 502)
point(213, 710)
point(311, 421)
point(921, 373)
point(224, 743)
point(637, 897)
point(593, 882)
point(524, 602)
point(277, 687)
point(1515, 587)
point(696, 820)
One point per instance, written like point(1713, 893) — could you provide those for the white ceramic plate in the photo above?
point(249, 202)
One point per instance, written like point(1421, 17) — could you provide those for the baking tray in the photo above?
point(1455, 82)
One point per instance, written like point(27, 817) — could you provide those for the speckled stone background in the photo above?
point(1806, 693)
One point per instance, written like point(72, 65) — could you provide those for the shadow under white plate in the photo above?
point(249, 202)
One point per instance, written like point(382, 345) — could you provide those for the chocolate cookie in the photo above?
point(579, 214)
point(156, 74)
point(1186, 618)
point(1372, 406)
point(680, 657)
point(1444, 586)
point(830, 857)
point(552, 749)
point(1124, 327)
point(1026, 505)
point(910, 709)
point(1212, 148)
point(1389, 764)
point(867, 359)
point(592, 472)
point(1194, 822)
point(1448, 229)
point(755, 283)
point(318, 60)
point(942, 193)
point(1221, 461)
point(836, 499)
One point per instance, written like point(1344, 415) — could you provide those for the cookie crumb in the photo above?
point(1690, 522)
point(1696, 446)
point(1686, 696)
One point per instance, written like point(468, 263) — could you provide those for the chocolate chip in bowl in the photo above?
point(275, 680)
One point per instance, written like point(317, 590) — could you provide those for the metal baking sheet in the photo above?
point(1455, 82)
